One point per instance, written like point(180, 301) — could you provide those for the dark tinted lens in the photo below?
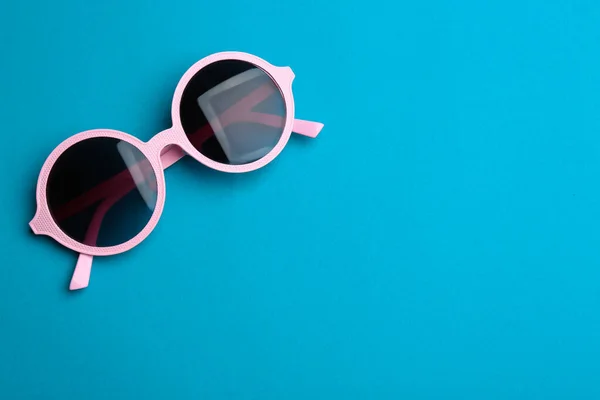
point(232, 112)
point(102, 192)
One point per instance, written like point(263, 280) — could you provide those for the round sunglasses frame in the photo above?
point(43, 223)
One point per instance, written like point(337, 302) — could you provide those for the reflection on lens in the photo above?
point(102, 192)
point(232, 112)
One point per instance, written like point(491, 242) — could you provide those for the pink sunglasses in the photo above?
point(101, 192)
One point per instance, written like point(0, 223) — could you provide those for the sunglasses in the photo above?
point(101, 192)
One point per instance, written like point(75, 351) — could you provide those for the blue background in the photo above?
point(438, 240)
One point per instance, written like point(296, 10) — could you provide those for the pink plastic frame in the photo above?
point(162, 151)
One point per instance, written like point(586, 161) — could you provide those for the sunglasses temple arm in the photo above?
point(83, 269)
point(301, 127)
point(171, 155)
point(307, 128)
point(242, 112)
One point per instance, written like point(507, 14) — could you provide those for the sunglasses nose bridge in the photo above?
point(164, 139)
point(167, 146)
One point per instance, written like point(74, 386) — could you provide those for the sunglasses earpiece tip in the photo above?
point(76, 285)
